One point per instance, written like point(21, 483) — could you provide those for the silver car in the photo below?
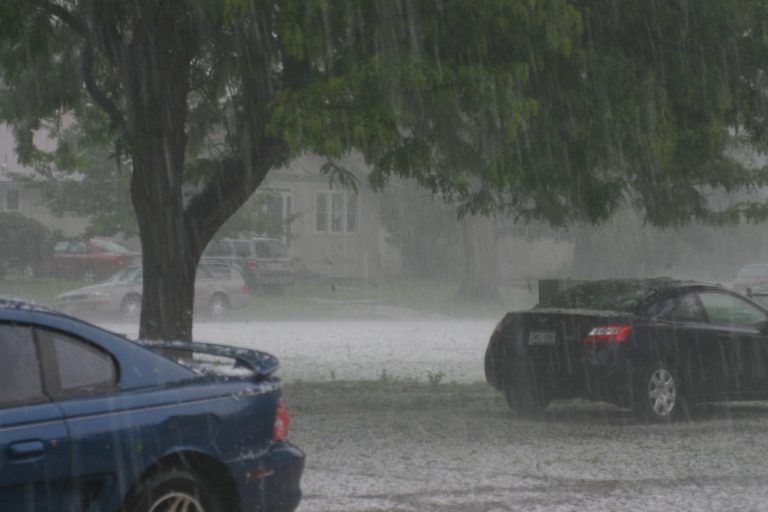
point(219, 287)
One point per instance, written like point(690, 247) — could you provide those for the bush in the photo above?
point(26, 244)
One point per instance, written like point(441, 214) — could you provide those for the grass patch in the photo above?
point(329, 300)
point(389, 394)
point(383, 300)
point(43, 291)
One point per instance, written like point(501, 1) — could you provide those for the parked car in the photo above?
point(656, 346)
point(219, 288)
point(92, 421)
point(267, 260)
point(91, 260)
point(749, 276)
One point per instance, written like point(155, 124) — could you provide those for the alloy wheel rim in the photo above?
point(131, 308)
point(662, 392)
point(177, 502)
point(217, 308)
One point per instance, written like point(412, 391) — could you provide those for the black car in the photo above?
point(655, 345)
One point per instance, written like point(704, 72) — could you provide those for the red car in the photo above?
point(90, 260)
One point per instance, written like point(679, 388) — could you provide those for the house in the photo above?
point(334, 230)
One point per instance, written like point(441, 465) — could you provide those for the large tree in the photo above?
point(553, 109)
point(210, 95)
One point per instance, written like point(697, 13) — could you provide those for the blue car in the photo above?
point(91, 421)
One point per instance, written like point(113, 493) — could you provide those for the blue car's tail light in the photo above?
point(282, 422)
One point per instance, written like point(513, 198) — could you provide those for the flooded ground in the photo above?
point(456, 448)
point(395, 416)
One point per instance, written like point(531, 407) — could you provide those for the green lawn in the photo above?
point(385, 299)
point(40, 290)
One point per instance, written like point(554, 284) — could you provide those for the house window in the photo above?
point(278, 210)
point(336, 212)
point(321, 211)
point(352, 213)
point(12, 199)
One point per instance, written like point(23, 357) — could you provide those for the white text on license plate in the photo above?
point(546, 338)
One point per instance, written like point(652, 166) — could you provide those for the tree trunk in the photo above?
point(154, 71)
point(169, 261)
point(480, 281)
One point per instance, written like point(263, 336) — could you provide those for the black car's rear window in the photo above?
point(626, 296)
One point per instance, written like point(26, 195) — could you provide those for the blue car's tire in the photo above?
point(173, 489)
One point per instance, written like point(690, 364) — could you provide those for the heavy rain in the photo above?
point(386, 255)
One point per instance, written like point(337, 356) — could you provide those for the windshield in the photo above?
point(109, 246)
point(127, 275)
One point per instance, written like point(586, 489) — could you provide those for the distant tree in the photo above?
point(423, 228)
point(26, 244)
point(83, 176)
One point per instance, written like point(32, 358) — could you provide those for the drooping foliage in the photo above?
point(549, 109)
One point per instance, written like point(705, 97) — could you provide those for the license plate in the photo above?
point(545, 338)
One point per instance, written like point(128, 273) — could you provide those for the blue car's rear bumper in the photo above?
point(270, 482)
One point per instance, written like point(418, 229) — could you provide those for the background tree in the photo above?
point(27, 244)
point(84, 177)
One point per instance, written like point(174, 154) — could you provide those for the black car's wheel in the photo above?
point(218, 306)
point(658, 397)
point(131, 306)
point(173, 490)
point(522, 392)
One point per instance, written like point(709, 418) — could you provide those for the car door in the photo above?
point(736, 326)
point(81, 377)
point(34, 455)
point(684, 327)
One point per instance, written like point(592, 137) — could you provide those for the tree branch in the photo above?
point(235, 181)
point(80, 27)
point(101, 99)
point(67, 17)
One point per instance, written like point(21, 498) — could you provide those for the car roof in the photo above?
point(625, 295)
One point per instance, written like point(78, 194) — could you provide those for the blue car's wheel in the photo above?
point(173, 490)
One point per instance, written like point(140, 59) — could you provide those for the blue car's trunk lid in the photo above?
point(210, 360)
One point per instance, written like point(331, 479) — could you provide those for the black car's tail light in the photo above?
point(282, 422)
point(608, 333)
